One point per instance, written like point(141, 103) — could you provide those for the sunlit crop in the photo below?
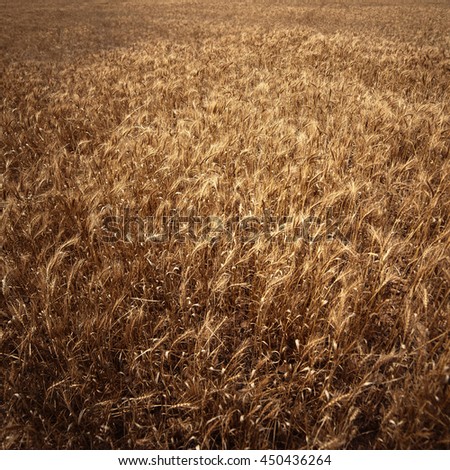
point(225, 224)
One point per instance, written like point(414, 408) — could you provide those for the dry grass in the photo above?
point(227, 109)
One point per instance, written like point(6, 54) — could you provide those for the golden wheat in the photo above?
point(225, 224)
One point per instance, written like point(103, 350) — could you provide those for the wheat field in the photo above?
point(225, 224)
